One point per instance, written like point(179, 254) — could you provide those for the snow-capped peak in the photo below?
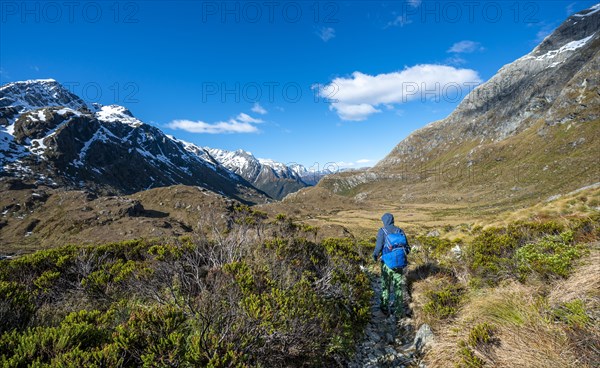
point(116, 113)
point(277, 166)
point(38, 93)
point(29, 82)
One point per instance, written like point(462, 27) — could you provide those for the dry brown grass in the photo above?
point(525, 332)
point(576, 204)
point(584, 284)
point(31, 221)
point(523, 337)
point(428, 280)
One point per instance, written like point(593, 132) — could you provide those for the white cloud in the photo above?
point(240, 124)
point(455, 60)
point(245, 118)
point(326, 33)
point(258, 109)
point(570, 9)
point(465, 47)
point(231, 126)
point(359, 96)
point(348, 165)
point(356, 112)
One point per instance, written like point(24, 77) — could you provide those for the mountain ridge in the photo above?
point(47, 134)
point(50, 135)
point(272, 177)
point(545, 99)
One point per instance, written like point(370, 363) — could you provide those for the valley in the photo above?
point(123, 246)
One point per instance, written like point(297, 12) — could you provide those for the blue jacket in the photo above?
point(388, 224)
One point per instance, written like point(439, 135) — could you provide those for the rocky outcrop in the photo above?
point(36, 124)
point(32, 94)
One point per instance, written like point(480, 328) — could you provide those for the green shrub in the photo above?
point(481, 334)
point(491, 255)
point(444, 301)
point(43, 345)
point(153, 336)
point(287, 302)
point(344, 248)
point(549, 257)
point(468, 359)
point(16, 306)
point(433, 248)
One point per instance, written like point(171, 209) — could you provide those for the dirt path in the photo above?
point(388, 342)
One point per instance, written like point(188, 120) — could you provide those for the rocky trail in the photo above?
point(389, 341)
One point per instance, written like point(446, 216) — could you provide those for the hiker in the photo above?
point(393, 246)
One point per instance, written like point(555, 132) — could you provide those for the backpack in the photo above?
point(394, 253)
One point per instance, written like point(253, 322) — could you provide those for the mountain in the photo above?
point(272, 177)
point(531, 131)
point(48, 135)
point(314, 174)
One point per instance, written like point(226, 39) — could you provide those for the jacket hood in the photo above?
point(388, 219)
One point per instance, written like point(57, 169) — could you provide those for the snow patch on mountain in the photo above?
point(102, 135)
point(116, 113)
point(38, 93)
point(37, 146)
point(594, 9)
point(571, 46)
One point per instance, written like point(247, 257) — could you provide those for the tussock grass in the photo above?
point(523, 336)
point(522, 325)
point(584, 284)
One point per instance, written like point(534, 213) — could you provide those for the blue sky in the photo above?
point(312, 82)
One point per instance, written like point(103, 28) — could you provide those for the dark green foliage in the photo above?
point(481, 334)
point(468, 359)
point(490, 257)
point(481, 338)
point(551, 256)
point(77, 338)
point(16, 305)
point(433, 248)
point(444, 301)
point(154, 336)
point(235, 301)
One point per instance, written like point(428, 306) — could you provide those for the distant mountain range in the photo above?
point(49, 135)
point(531, 131)
point(272, 177)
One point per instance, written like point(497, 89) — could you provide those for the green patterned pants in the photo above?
point(394, 281)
